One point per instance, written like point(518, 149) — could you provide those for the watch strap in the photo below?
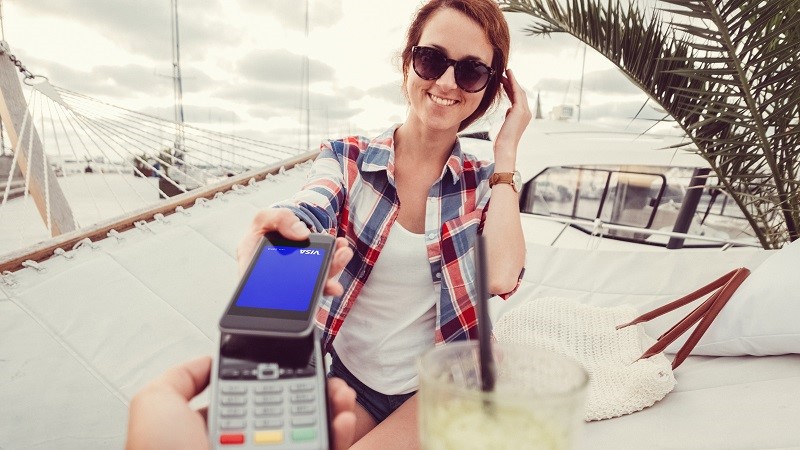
point(503, 178)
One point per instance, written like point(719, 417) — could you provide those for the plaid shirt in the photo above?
point(351, 193)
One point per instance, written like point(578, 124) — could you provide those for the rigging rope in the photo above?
point(2, 24)
point(30, 150)
point(117, 143)
point(64, 170)
point(48, 212)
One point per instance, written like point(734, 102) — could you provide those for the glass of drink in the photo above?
point(537, 402)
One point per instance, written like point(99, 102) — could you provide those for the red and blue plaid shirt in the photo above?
point(351, 193)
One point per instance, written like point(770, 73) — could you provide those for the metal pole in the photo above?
point(3, 37)
point(307, 81)
point(688, 207)
point(177, 83)
point(580, 90)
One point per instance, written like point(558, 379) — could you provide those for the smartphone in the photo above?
point(279, 292)
point(269, 392)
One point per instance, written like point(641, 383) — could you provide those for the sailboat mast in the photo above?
point(580, 90)
point(307, 104)
point(3, 38)
point(176, 80)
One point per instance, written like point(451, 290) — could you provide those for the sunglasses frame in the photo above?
point(449, 62)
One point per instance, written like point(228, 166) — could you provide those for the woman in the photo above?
point(408, 204)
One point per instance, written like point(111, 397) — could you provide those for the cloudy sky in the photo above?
point(241, 62)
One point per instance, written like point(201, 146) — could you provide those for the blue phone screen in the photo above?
point(283, 278)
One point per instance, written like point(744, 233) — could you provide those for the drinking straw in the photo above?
point(485, 357)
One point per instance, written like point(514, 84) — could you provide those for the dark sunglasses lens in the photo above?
point(429, 63)
point(471, 76)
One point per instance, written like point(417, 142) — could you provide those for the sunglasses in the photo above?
point(430, 64)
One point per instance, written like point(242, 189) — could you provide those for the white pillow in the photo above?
point(763, 316)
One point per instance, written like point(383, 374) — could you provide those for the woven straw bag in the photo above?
point(627, 368)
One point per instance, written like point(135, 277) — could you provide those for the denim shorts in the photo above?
point(378, 405)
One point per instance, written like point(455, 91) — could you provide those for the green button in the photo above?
point(304, 434)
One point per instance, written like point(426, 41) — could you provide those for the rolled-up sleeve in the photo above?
point(322, 198)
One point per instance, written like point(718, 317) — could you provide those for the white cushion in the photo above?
point(763, 316)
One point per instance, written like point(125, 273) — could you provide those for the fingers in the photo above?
point(518, 115)
point(289, 226)
point(281, 220)
point(341, 257)
point(342, 399)
point(508, 86)
point(514, 90)
point(187, 379)
point(274, 219)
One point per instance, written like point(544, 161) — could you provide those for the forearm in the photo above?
point(320, 201)
point(505, 242)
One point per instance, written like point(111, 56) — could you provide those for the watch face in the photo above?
point(517, 184)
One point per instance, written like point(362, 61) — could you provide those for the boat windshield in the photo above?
point(640, 199)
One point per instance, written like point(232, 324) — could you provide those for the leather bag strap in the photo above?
point(722, 288)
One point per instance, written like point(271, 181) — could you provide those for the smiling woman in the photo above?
point(411, 201)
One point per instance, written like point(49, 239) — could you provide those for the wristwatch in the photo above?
point(512, 178)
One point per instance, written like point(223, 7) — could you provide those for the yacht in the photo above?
point(88, 318)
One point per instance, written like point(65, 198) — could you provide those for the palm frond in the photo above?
point(727, 71)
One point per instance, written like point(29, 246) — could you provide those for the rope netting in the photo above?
point(112, 160)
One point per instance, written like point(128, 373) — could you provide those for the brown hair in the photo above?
point(485, 13)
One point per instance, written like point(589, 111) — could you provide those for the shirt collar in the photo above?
point(379, 155)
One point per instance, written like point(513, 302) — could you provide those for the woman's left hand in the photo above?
point(517, 118)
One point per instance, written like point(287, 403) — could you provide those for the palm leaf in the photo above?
point(727, 71)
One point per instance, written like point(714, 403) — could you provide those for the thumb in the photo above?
point(187, 379)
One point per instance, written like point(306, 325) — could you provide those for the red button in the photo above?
point(227, 439)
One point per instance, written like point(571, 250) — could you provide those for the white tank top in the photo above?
point(392, 321)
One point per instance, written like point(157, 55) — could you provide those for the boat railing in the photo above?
point(14, 261)
point(599, 228)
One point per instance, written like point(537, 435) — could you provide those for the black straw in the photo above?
point(484, 326)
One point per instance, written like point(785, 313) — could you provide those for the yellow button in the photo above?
point(268, 437)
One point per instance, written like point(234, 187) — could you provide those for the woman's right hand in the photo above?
point(289, 226)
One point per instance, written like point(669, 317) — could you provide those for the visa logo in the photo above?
point(309, 252)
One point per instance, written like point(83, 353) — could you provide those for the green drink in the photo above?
point(537, 402)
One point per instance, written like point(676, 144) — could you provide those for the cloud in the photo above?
point(332, 107)
point(162, 112)
point(111, 81)
point(609, 81)
point(281, 67)
point(196, 114)
point(523, 42)
point(321, 14)
point(195, 80)
point(267, 112)
point(130, 78)
point(144, 26)
point(211, 114)
point(271, 103)
point(391, 92)
point(260, 94)
point(292, 137)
